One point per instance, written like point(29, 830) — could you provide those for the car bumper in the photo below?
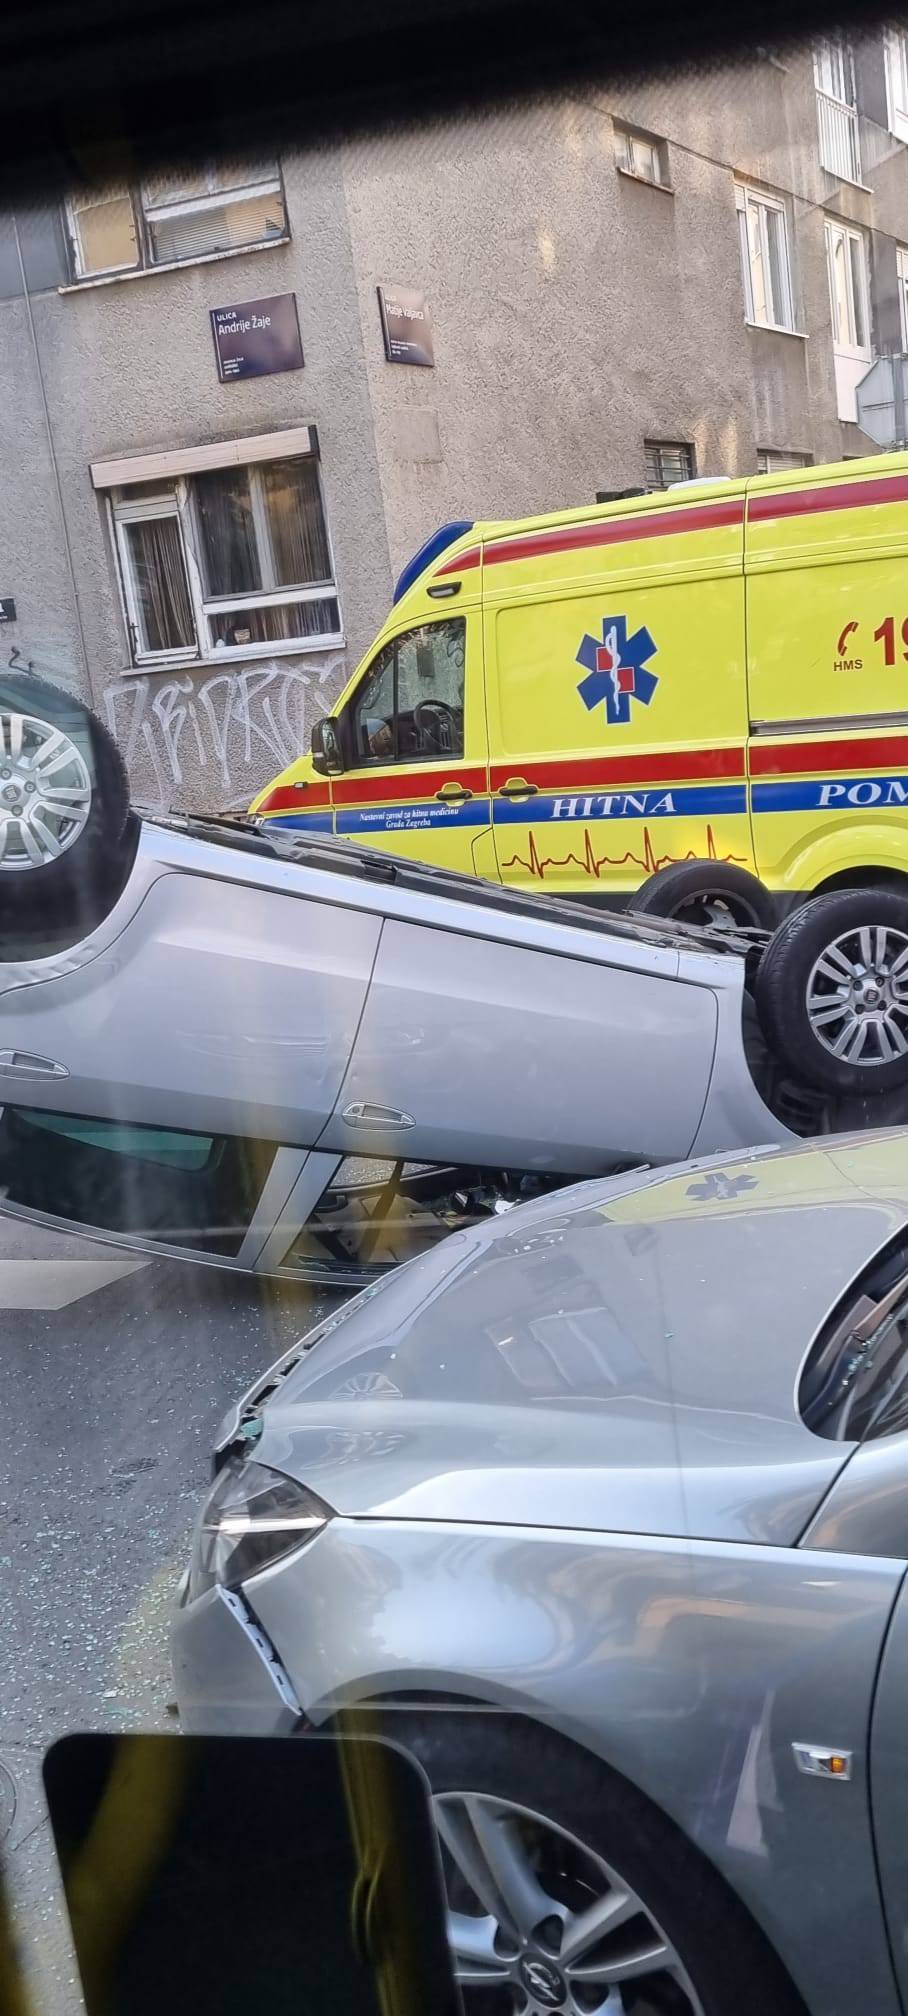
point(227, 1675)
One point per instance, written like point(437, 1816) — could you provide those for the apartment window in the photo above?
point(226, 562)
point(837, 118)
point(668, 462)
point(901, 262)
point(764, 259)
point(774, 461)
point(848, 290)
point(174, 217)
point(643, 155)
point(896, 56)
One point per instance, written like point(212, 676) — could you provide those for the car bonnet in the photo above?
point(624, 1357)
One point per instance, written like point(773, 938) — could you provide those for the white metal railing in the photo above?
point(840, 150)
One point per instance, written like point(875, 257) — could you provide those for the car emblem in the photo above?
point(618, 674)
point(542, 1981)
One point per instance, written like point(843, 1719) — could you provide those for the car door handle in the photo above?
point(24, 1064)
point(362, 1114)
point(517, 787)
point(453, 794)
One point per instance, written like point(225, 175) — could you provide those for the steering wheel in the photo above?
point(434, 724)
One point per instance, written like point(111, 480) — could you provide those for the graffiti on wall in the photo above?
point(211, 743)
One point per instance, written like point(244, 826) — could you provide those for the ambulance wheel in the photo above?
point(706, 892)
point(64, 801)
point(832, 990)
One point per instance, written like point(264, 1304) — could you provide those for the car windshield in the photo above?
point(453, 1012)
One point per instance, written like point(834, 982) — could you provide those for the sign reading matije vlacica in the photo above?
point(405, 326)
point(254, 338)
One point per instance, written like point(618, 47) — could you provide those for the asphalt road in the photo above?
point(116, 1372)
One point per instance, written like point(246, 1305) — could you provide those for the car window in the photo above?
point(410, 706)
point(184, 1189)
point(855, 1383)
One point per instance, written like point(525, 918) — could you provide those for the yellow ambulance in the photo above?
point(697, 700)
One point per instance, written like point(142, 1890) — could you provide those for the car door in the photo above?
point(169, 1088)
point(413, 740)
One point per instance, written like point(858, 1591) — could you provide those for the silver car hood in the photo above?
point(624, 1357)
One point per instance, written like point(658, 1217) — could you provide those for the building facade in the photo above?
point(219, 445)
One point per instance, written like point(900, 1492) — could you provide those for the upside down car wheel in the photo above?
point(64, 800)
point(832, 990)
point(706, 892)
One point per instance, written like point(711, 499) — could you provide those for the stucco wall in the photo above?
point(130, 367)
point(576, 313)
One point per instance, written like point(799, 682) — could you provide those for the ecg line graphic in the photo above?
point(593, 864)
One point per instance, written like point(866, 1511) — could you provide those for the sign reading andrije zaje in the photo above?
point(405, 326)
point(254, 338)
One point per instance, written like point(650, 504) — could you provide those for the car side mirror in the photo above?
point(327, 758)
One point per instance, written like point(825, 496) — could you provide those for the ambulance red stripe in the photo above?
point(805, 758)
point(829, 497)
point(399, 785)
point(723, 512)
point(596, 773)
point(303, 797)
point(601, 532)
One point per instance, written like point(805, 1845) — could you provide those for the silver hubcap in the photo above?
point(857, 996)
point(540, 1922)
point(45, 792)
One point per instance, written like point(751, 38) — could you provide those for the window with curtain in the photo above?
point(190, 215)
point(227, 561)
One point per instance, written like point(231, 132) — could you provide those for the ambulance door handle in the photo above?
point(453, 794)
point(517, 787)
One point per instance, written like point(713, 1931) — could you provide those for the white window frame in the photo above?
point(834, 80)
point(747, 199)
point(835, 51)
point(836, 226)
point(901, 267)
point(174, 499)
point(627, 138)
point(74, 235)
point(895, 52)
point(133, 511)
point(146, 213)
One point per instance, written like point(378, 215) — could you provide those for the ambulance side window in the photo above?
point(409, 708)
point(372, 713)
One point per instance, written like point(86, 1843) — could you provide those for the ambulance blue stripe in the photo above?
point(706, 800)
point(308, 822)
point(832, 794)
point(412, 818)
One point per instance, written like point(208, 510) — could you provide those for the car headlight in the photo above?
point(252, 1518)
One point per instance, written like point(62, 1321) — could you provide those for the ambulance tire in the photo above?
point(706, 892)
point(820, 983)
point(64, 807)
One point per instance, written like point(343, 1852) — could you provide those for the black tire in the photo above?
point(787, 976)
point(729, 1963)
point(92, 841)
point(699, 892)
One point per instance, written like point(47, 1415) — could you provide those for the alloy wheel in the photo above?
point(539, 1922)
point(45, 792)
point(857, 996)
